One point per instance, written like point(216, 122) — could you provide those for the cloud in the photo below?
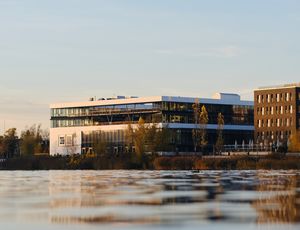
point(229, 51)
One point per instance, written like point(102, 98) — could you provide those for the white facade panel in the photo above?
point(76, 132)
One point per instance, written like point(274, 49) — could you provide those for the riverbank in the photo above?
point(275, 161)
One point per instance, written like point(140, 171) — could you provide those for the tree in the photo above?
point(162, 139)
point(151, 138)
point(10, 143)
point(1, 146)
point(203, 120)
point(139, 138)
point(196, 131)
point(294, 142)
point(220, 142)
point(31, 140)
point(100, 144)
point(129, 136)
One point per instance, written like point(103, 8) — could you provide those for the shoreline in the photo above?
point(131, 162)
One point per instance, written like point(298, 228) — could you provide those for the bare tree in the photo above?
point(196, 131)
point(220, 141)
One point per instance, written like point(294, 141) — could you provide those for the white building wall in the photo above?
point(56, 133)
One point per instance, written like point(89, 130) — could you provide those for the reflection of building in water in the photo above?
point(281, 206)
point(64, 189)
point(85, 197)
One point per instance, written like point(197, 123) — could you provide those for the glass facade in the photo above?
point(167, 112)
point(156, 112)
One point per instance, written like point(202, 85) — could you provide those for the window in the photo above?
point(268, 98)
point(259, 123)
point(269, 122)
point(61, 141)
point(69, 140)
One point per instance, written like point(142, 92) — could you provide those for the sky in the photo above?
point(69, 50)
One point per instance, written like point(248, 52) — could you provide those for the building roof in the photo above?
point(283, 86)
point(222, 98)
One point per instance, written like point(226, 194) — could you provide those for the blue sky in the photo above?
point(69, 50)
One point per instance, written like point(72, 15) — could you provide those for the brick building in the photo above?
point(276, 114)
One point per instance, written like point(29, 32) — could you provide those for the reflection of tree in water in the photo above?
point(281, 206)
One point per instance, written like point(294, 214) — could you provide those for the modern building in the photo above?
point(277, 114)
point(75, 126)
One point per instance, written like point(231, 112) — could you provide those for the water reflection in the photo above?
point(150, 199)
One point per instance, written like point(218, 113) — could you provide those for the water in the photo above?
point(150, 200)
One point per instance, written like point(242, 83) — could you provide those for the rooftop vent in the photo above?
point(227, 96)
point(121, 97)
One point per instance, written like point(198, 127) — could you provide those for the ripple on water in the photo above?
point(164, 199)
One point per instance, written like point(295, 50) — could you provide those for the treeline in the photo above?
point(33, 140)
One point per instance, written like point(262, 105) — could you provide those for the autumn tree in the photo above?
point(203, 120)
point(294, 142)
point(139, 138)
point(220, 141)
point(147, 138)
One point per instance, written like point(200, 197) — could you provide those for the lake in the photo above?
point(149, 200)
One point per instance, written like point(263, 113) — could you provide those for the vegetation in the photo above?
point(9, 144)
point(124, 161)
point(146, 139)
point(294, 145)
point(203, 120)
point(220, 142)
point(196, 131)
point(32, 141)
point(100, 145)
point(143, 142)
